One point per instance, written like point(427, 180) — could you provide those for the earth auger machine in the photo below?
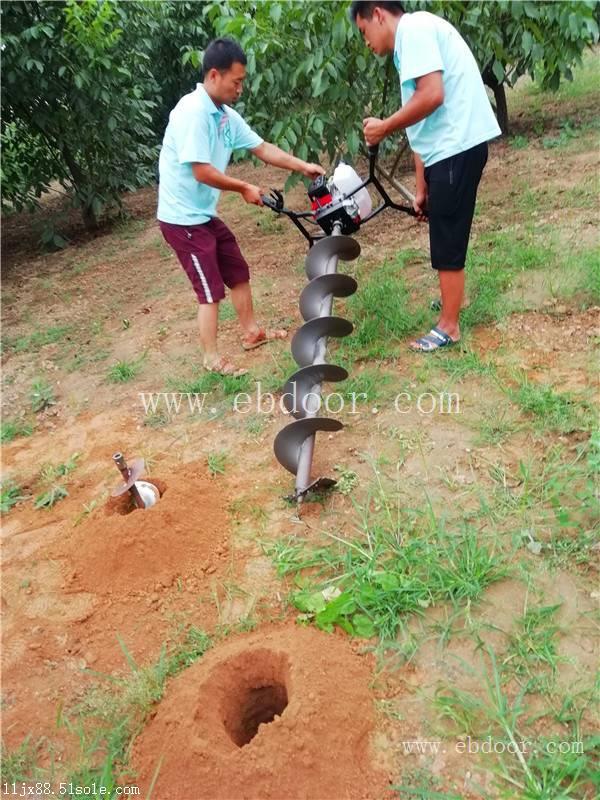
point(338, 211)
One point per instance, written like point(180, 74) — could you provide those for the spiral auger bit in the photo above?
point(338, 211)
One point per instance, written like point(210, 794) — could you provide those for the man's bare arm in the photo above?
point(271, 154)
point(211, 176)
point(428, 96)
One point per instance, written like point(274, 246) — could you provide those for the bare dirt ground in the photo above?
point(87, 590)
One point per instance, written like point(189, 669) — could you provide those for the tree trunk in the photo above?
point(89, 216)
point(501, 108)
point(500, 99)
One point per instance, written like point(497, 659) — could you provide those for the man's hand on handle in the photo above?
point(312, 170)
point(374, 130)
point(253, 194)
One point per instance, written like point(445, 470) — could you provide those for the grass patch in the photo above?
point(367, 386)
point(41, 395)
point(525, 764)
point(493, 266)
point(82, 360)
point(279, 371)
point(19, 765)
point(50, 472)
point(402, 562)
point(216, 463)
point(38, 339)
point(581, 277)
point(551, 410)
point(552, 500)
point(532, 656)
point(11, 429)
point(124, 371)
point(566, 133)
point(51, 497)
point(464, 361)
point(10, 495)
point(156, 419)
point(206, 382)
point(382, 312)
point(107, 720)
point(494, 427)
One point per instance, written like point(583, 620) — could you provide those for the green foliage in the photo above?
point(88, 86)
point(77, 97)
point(124, 371)
point(310, 76)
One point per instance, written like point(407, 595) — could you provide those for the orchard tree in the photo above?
point(310, 78)
point(77, 97)
point(180, 33)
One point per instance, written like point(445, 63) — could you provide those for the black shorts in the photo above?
point(451, 193)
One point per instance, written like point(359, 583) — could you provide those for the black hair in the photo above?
point(365, 8)
point(222, 54)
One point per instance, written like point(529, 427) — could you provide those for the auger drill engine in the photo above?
point(333, 201)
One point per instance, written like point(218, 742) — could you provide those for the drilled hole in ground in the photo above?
point(258, 695)
point(124, 504)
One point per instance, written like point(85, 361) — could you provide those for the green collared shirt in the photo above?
point(198, 132)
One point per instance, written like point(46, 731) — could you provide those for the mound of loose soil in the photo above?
point(126, 550)
point(281, 713)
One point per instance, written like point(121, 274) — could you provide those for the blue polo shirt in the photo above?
point(426, 43)
point(198, 132)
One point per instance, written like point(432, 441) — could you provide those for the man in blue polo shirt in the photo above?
point(201, 135)
point(448, 121)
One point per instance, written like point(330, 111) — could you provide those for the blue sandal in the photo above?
point(435, 339)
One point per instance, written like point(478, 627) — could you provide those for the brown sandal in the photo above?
point(224, 367)
point(262, 337)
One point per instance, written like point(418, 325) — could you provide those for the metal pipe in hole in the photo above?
point(121, 464)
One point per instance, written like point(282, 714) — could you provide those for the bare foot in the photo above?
point(252, 340)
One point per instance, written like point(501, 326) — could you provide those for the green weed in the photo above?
point(216, 463)
point(124, 371)
point(41, 395)
point(10, 495)
point(10, 429)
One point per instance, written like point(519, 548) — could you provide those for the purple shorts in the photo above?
point(210, 256)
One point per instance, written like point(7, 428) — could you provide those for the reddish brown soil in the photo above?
point(119, 553)
point(113, 579)
point(318, 744)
